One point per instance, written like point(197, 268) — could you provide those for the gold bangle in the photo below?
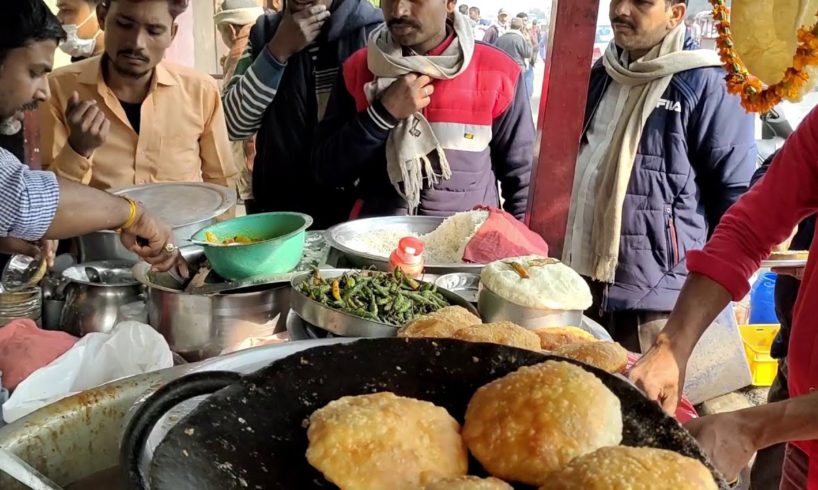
point(131, 215)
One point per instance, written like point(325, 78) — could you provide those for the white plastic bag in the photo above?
point(131, 348)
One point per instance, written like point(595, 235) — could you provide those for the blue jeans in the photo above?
point(528, 77)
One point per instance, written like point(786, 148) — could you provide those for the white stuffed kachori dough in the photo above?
point(469, 483)
point(532, 422)
point(608, 356)
point(385, 441)
point(555, 337)
point(629, 468)
point(503, 333)
point(551, 285)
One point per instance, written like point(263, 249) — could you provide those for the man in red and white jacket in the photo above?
point(762, 218)
point(477, 110)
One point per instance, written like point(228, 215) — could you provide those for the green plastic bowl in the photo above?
point(278, 244)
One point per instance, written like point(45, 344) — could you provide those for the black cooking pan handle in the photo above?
point(162, 401)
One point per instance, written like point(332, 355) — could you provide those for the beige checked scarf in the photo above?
point(412, 141)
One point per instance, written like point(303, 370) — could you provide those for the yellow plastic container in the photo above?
point(758, 340)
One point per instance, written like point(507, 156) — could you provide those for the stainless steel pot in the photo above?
point(105, 245)
point(186, 206)
point(494, 308)
point(92, 303)
point(202, 326)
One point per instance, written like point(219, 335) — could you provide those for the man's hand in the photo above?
point(88, 126)
point(660, 374)
point(15, 246)
point(408, 95)
point(297, 31)
point(728, 439)
point(152, 240)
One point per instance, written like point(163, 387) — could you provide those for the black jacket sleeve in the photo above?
point(512, 151)
point(348, 140)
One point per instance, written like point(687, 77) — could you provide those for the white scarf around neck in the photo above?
point(647, 80)
point(412, 141)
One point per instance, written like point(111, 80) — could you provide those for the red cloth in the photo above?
point(685, 412)
point(25, 348)
point(503, 236)
point(764, 217)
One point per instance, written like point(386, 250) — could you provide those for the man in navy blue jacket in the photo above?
point(665, 151)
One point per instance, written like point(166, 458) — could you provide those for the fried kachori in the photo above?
point(608, 356)
point(503, 333)
point(630, 468)
point(554, 338)
point(440, 324)
point(469, 483)
point(534, 421)
point(385, 441)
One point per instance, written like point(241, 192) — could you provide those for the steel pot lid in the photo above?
point(182, 203)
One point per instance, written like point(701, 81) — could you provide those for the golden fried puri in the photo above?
point(553, 338)
point(503, 333)
point(430, 327)
point(385, 441)
point(608, 356)
point(459, 315)
point(440, 324)
point(629, 468)
point(536, 420)
point(470, 483)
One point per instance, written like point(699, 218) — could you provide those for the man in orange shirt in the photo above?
point(127, 117)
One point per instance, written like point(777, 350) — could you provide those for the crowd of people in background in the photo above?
point(522, 39)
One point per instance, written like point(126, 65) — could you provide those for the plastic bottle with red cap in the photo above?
point(408, 256)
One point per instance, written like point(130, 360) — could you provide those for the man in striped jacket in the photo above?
point(280, 91)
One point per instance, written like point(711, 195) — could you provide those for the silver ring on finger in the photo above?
point(171, 249)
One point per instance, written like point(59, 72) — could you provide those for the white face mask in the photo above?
point(75, 46)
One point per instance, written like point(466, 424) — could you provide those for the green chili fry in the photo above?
point(391, 298)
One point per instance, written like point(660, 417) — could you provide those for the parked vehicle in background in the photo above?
point(604, 35)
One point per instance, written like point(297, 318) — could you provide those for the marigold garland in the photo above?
point(754, 97)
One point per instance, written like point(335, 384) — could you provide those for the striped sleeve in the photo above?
point(250, 91)
point(28, 199)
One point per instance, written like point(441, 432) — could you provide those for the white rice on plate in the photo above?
point(444, 245)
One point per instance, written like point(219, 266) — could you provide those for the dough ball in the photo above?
point(608, 356)
point(383, 441)
point(503, 333)
point(553, 338)
point(630, 468)
point(470, 483)
point(536, 420)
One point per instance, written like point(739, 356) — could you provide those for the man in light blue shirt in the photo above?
point(36, 205)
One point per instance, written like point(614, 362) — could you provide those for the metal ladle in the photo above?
point(93, 275)
point(25, 474)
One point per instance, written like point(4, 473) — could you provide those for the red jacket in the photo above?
point(482, 119)
point(766, 216)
